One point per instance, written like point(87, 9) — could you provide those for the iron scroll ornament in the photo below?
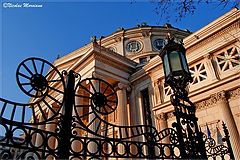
point(42, 81)
point(86, 107)
point(39, 87)
point(101, 102)
point(36, 78)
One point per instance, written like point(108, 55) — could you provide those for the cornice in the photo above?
point(73, 55)
point(113, 63)
point(213, 27)
point(143, 31)
point(213, 36)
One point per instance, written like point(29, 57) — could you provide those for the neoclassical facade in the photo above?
point(128, 59)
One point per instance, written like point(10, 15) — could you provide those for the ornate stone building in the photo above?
point(128, 59)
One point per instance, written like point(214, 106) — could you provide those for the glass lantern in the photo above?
point(175, 63)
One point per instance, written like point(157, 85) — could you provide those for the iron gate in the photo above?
point(76, 126)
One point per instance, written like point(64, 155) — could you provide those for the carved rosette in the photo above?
point(162, 116)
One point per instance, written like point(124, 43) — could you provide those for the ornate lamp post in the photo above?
point(177, 75)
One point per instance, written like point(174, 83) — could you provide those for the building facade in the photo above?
point(129, 60)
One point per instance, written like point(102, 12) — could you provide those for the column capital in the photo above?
point(121, 86)
point(219, 97)
point(161, 116)
point(235, 94)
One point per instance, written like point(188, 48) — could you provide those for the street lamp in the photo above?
point(175, 65)
point(177, 75)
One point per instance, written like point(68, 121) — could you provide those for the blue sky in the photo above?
point(59, 27)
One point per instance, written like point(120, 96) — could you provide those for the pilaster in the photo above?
point(221, 101)
point(212, 72)
point(157, 92)
point(162, 121)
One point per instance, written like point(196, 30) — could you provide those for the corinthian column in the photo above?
point(222, 103)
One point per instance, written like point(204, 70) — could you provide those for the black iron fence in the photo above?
point(77, 126)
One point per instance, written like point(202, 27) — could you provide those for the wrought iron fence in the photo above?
point(76, 126)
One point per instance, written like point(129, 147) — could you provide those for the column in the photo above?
point(122, 117)
point(51, 127)
point(162, 120)
point(39, 138)
point(33, 138)
point(221, 101)
point(134, 111)
point(92, 146)
point(234, 103)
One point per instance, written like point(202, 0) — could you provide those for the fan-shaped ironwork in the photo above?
point(82, 130)
point(40, 80)
point(101, 95)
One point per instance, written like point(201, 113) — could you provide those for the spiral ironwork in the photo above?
point(82, 129)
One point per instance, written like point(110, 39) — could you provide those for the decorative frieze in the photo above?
point(220, 96)
point(234, 94)
point(204, 104)
point(208, 103)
